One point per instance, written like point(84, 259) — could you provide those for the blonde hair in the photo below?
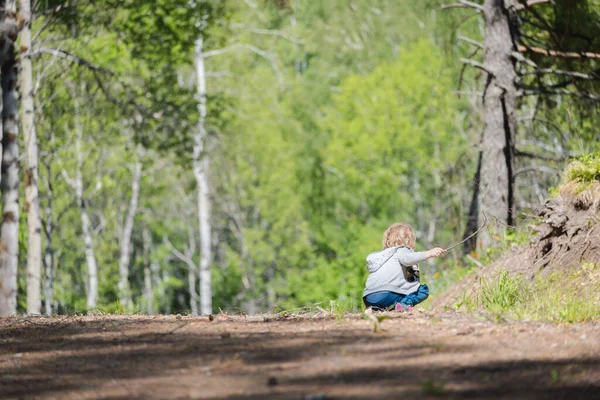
point(399, 234)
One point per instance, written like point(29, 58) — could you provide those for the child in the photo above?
point(393, 272)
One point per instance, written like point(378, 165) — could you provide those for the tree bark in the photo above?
point(32, 201)
point(146, 240)
point(201, 167)
point(497, 145)
point(192, 290)
point(124, 288)
point(9, 231)
point(155, 281)
point(189, 253)
point(90, 257)
point(471, 226)
point(49, 248)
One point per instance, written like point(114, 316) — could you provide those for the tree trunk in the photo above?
point(471, 226)
point(49, 248)
point(192, 290)
point(9, 232)
point(147, 272)
point(156, 283)
point(90, 257)
point(124, 288)
point(271, 294)
point(201, 166)
point(497, 145)
point(166, 292)
point(32, 201)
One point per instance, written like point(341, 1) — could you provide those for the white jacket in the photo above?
point(387, 270)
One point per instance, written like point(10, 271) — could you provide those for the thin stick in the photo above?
point(470, 236)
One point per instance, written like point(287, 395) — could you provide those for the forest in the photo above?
point(198, 156)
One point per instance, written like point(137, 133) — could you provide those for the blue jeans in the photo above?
point(385, 300)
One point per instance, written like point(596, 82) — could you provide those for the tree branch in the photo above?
point(559, 54)
point(272, 32)
point(68, 179)
point(476, 64)
point(251, 48)
point(463, 69)
point(179, 254)
point(69, 57)
point(559, 92)
point(60, 7)
point(545, 71)
point(519, 57)
point(527, 154)
point(540, 168)
point(463, 4)
point(470, 41)
point(531, 3)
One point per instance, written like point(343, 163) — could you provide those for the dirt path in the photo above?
point(419, 355)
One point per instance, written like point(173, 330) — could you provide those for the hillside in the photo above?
point(564, 248)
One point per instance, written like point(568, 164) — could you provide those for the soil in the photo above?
point(421, 354)
point(565, 236)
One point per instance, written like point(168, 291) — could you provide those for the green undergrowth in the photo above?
point(559, 297)
point(452, 272)
point(585, 170)
point(511, 238)
point(447, 275)
point(581, 183)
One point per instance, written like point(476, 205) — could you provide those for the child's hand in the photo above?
point(435, 252)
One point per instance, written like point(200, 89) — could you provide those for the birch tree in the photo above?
point(32, 202)
point(201, 168)
point(148, 291)
point(77, 185)
point(125, 248)
point(9, 231)
point(49, 259)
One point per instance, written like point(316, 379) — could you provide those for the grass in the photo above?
point(581, 184)
point(561, 298)
point(585, 169)
point(445, 277)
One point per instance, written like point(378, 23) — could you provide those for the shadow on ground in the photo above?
point(271, 360)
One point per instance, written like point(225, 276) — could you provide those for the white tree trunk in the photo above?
point(201, 166)
point(192, 290)
point(32, 201)
point(90, 257)
point(124, 288)
point(9, 232)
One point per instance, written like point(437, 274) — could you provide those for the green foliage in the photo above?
point(328, 121)
point(506, 293)
point(116, 308)
point(449, 273)
point(557, 297)
point(584, 170)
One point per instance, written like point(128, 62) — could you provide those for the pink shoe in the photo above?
point(401, 308)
